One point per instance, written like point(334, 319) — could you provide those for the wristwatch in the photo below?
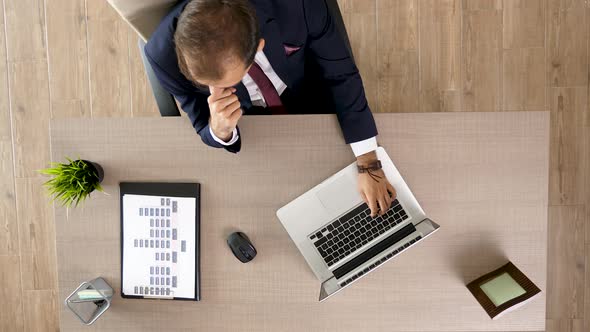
point(374, 166)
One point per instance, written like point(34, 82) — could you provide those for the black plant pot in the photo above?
point(97, 168)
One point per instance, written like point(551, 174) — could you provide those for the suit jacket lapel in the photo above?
point(274, 49)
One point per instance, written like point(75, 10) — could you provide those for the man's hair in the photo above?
point(211, 32)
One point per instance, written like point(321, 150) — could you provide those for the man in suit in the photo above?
point(222, 59)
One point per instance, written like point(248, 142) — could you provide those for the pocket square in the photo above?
point(290, 49)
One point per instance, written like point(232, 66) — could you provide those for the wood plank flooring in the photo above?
point(77, 58)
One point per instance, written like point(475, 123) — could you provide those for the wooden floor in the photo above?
point(76, 58)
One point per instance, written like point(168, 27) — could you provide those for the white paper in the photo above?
point(140, 267)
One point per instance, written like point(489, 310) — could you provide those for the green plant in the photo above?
point(73, 182)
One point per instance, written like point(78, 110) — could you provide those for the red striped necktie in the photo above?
point(270, 94)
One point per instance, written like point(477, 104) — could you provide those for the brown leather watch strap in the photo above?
point(374, 166)
point(370, 168)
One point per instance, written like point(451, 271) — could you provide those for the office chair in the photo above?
point(145, 15)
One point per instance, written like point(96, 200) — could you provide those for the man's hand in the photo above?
point(225, 112)
point(375, 190)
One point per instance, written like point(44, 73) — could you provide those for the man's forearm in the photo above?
point(225, 140)
point(210, 140)
point(365, 150)
point(367, 158)
point(225, 137)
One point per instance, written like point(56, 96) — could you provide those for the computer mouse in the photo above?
point(241, 246)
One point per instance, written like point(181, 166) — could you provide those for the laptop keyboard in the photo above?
point(353, 230)
point(379, 262)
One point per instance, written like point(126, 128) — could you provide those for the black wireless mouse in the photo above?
point(241, 246)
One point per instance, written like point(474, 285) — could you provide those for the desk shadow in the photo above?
point(228, 230)
point(477, 258)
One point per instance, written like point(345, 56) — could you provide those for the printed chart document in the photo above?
point(159, 246)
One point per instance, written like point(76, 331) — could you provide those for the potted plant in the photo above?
point(73, 182)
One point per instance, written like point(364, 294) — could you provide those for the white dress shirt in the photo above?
point(358, 148)
point(252, 87)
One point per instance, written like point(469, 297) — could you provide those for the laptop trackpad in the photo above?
point(341, 194)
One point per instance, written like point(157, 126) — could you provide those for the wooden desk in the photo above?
point(481, 176)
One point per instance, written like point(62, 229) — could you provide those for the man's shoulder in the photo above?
point(160, 49)
point(160, 46)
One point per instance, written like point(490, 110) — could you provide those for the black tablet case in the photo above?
point(173, 190)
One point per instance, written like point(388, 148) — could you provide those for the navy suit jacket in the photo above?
point(320, 74)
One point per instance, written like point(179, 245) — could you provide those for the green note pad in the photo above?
point(502, 289)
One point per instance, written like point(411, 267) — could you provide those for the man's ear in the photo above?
point(261, 45)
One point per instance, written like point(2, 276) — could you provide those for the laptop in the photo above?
point(332, 227)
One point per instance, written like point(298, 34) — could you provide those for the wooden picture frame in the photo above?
point(491, 309)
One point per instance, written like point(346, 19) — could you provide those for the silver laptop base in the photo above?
point(333, 285)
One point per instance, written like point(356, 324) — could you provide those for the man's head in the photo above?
point(216, 41)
